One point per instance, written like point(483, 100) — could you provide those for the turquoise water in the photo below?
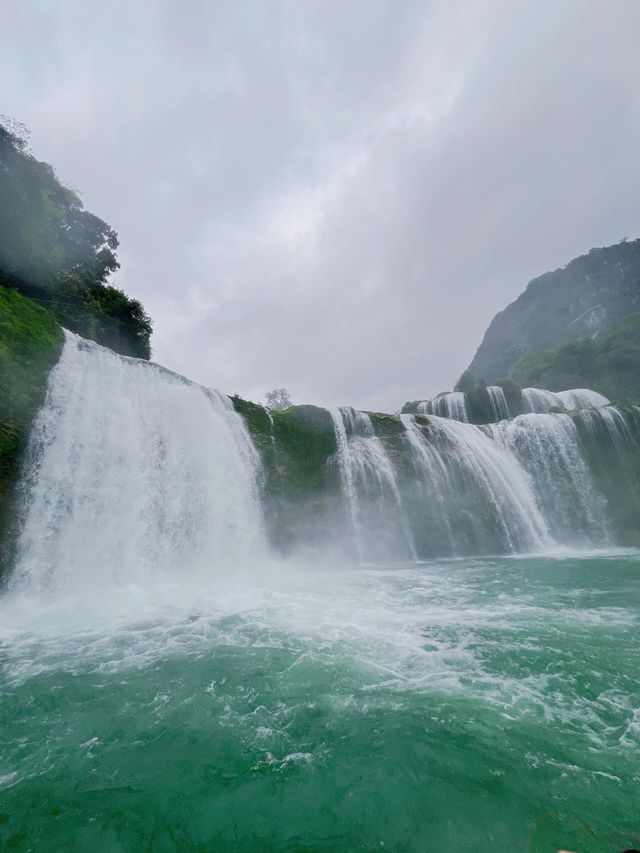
point(485, 705)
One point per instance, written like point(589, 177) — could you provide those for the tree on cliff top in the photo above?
point(60, 254)
point(277, 399)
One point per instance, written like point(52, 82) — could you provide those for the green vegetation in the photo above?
point(256, 418)
point(588, 298)
point(608, 364)
point(386, 425)
point(61, 255)
point(468, 383)
point(295, 444)
point(30, 341)
point(305, 440)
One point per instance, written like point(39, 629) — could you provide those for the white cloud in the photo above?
point(332, 196)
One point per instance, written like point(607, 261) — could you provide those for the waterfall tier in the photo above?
point(133, 471)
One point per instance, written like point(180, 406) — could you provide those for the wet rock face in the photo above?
point(588, 297)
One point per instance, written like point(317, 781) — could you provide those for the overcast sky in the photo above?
point(334, 196)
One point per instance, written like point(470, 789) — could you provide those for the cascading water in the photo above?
point(432, 485)
point(452, 404)
point(491, 491)
point(581, 398)
point(369, 484)
point(612, 422)
point(133, 471)
point(539, 401)
point(547, 446)
point(498, 401)
point(346, 464)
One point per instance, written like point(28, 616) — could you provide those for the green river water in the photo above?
point(483, 705)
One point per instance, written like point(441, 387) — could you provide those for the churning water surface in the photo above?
point(167, 685)
point(486, 704)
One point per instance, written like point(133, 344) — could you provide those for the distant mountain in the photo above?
point(587, 299)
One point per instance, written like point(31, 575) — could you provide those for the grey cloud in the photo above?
point(333, 196)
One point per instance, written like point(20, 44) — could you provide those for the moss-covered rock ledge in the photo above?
point(295, 445)
point(30, 343)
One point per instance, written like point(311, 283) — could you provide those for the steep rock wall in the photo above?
point(585, 299)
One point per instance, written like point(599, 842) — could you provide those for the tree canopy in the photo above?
point(60, 254)
point(277, 399)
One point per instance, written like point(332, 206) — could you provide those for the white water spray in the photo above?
point(499, 407)
point(452, 404)
point(133, 471)
point(539, 401)
point(547, 446)
point(368, 477)
point(495, 472)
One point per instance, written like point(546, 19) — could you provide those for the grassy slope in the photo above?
point(30, 341)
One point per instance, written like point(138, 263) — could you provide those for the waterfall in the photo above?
point(547, 446)
point(433, 486)
point(491, 486)
point(133, 471)
point(581, 398)
point(538, 401)
point(499, 407)
point(347, 474)
point(610, 421)
point(452, 404)
point(369, 483)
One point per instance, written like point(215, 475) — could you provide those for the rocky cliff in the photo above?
point(586, 299)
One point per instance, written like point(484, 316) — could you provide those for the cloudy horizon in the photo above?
point(335, 197)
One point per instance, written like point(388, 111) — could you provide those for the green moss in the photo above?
point(304, 441)
point(386, 425)
point(295, 445)
point(410, 407)
point(255, 417)
point(30, 342)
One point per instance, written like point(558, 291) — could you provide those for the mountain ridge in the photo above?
point(587, 298)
